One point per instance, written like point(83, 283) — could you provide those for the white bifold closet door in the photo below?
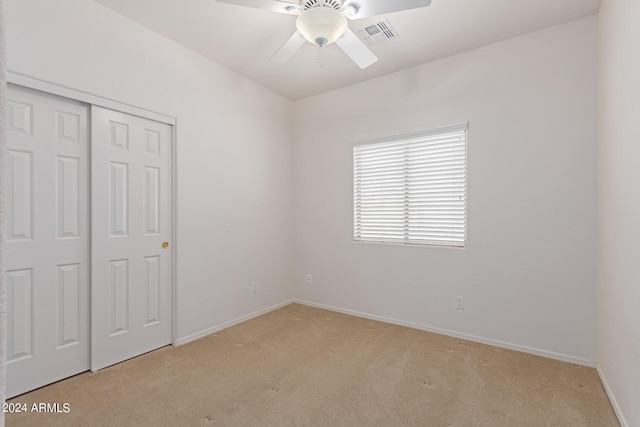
point(131, 226)
point(47, 251)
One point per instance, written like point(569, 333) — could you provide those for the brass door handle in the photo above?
point(165, 245)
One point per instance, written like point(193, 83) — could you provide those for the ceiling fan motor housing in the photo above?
point(310, 4)
point(321, 22)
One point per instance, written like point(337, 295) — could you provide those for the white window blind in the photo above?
point(412, 188)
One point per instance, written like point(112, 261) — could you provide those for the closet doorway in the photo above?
point(89, 251)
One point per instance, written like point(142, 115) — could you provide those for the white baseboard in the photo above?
point(612, 398)
point(468, 337)
point(225, 325)
point(497, 343)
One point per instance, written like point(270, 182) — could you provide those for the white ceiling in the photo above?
point(243, 39)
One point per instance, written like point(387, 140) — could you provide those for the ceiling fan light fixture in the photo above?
point(321, 25)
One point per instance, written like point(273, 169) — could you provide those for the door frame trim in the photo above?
point(100, 101)
point(88, 98)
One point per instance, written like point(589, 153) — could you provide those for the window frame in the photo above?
point(464, 126)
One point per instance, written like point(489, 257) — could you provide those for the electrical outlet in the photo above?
point(309, 278)
point(253, 287)
point(460, 303)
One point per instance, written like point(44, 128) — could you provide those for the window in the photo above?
point(411, 189)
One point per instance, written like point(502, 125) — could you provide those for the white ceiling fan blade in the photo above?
point(290, 7)
point(356, 50)
point(365, 8)
point(289, 48)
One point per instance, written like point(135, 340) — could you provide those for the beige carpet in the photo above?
point(301, 366)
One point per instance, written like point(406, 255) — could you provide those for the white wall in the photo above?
point(3, 283)
point(234, 147)
point(528, 273)
point(619, 206)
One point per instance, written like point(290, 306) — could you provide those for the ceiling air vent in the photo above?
point(377, 33)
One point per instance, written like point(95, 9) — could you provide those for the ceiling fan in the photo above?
point(323, 22)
